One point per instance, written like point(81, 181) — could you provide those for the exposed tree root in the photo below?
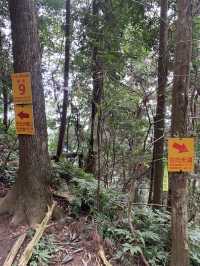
point(7, 204)
point(23, 210)
point(19, 216)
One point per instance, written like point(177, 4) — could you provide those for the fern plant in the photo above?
point(194, 243)
point(43, 252)
point(152, 227)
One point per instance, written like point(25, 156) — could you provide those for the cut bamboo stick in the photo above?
point(13, 252)
point(26, 255)
point(102, 255)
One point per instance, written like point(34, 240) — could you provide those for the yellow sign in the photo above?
point(165, 179)
point(24, 119)
point(21, 84)
point(181, 154)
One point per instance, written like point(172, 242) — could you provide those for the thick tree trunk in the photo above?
point(179, 255)
point(66, 82)
point(97, 76)
point(159, 122)
point(30, 196)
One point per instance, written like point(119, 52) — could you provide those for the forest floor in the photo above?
point(73, 242)
point(7, 238)
point(76, 242)
point(70, 253)
point(6, 232)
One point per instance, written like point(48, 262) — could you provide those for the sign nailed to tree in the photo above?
point(22, 96)
point(24, 119)
point(21, 83)
point(181, 154)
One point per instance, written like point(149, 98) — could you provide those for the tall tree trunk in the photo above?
point(3, 84)
point(150, 198)
point(97, 76)
point(179, 255)
point(5, 106)
point(30, 196)
point(66, 83)
point(98, 160)
point(159, 122)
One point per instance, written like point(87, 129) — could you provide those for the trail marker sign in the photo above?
point(181, 154)
point(24, 119)
point(21, 84)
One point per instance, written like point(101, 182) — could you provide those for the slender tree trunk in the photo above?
point(151, 184)
point(179, 254)
point(30, 196)
point(159, 122)
point(113, 158)
point(5, 106)
point(123, 169)
point(66, 83)
point(97, 76)
point(4, 88)
point(98, 160)
point(67, 133)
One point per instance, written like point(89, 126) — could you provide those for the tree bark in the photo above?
point(5, 106)
point(97, 75)
point(3, 84)
point(29, 197)
point(159, 121)
point(150, 198)
point(66, 83)
point(179, 255)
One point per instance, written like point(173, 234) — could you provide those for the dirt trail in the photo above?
point(78, 251)
point(7, 238)
point(67, 248)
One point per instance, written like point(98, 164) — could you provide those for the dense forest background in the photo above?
point(119, 78)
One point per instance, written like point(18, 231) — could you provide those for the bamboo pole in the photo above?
point(13, 252)
point(38, 234)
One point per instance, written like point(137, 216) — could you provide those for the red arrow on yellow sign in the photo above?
point(181, 154)
point(24, 119)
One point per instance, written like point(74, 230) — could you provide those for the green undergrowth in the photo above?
point(8, 155)
point(44, 251)
point(111, 202)
point(151, 227)
point(68, 172)
point(150, 238)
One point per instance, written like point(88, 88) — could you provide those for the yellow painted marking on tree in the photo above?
point(181, 154)
point(165, 179)
point(24, 119)
point(21, 84)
